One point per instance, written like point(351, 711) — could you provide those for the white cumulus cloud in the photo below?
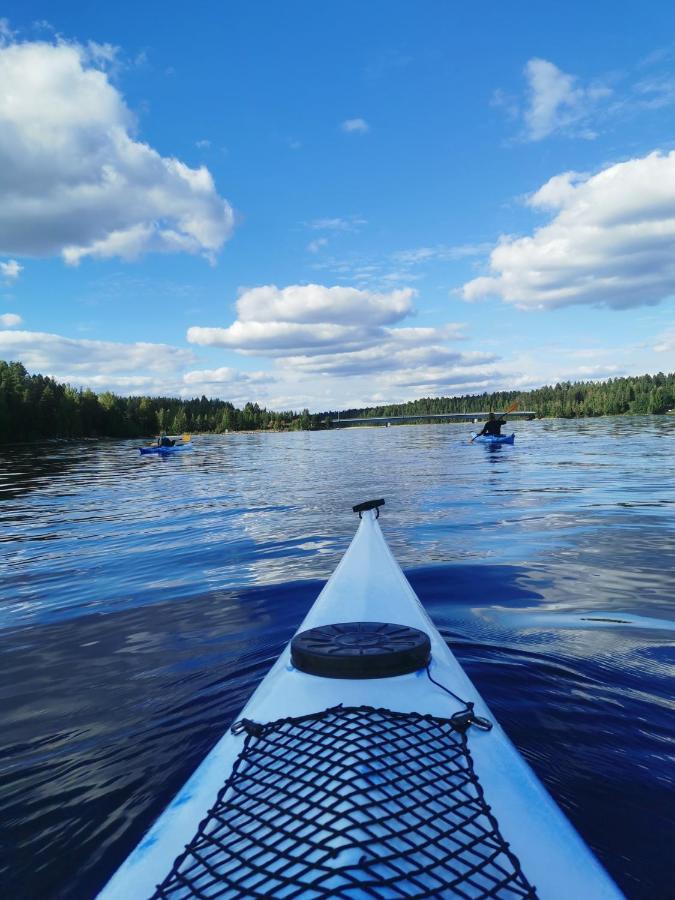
point(6, 33)
point(355, 126)
point(310, 318)
point(610, 242)
point(10, 320)
point(394, 355)
point(338, 223)
point(665, 342)
point(225, 375)
point(135, 368)
point(281, 338)
point(331, 333)
point(318, 303)
point(73, 179)
point(53, 354)
point(555, 103)
point(10, 270)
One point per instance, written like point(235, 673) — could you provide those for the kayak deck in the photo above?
point(493, 438)
point(368, 799)
point(162, 451)
point(356, 787)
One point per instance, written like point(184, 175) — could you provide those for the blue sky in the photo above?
point(336, 204)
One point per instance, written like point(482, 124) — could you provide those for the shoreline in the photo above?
point(145, 440)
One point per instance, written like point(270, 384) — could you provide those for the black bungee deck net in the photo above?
point(349, 802)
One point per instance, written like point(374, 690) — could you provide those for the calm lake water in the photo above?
point(142, 599)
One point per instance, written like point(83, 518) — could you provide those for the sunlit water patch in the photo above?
point(142, 599)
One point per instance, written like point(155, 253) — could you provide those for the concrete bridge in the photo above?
point(459, 417)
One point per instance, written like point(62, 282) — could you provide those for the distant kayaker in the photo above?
point(493, 425)
point(164, 441)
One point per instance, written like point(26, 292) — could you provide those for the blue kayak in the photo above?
point(493, 438)
point(163, 451)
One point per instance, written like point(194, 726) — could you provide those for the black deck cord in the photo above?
point(463, 717)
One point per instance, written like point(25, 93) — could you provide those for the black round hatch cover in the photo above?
point(360, 650)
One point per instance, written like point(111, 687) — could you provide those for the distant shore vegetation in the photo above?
point(34, 407)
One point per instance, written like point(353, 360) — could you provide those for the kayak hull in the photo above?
point(164, 451)
point(493, 438)
point(368, 585)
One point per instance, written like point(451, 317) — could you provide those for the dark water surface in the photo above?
point(142, 599)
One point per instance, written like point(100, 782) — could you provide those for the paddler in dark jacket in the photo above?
point(493, 425)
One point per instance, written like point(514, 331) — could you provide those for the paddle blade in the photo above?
point(187, 438)
point(512, 408)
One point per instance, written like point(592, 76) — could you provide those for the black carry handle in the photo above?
point(368, 504)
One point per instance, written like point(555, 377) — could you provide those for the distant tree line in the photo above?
point(35, 406)
point(635, 395)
